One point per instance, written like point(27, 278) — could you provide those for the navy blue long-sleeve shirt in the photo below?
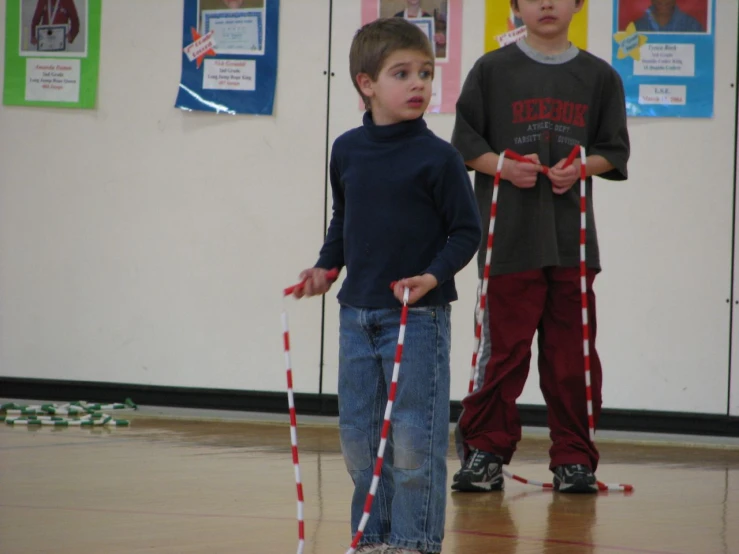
point(403, 205)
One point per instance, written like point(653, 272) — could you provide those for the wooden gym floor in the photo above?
point(192, 486)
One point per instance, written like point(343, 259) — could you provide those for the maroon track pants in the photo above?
point(518, 304)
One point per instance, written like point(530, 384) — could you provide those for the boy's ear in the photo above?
point(364, 82)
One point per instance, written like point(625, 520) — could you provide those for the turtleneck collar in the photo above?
point(393, 131)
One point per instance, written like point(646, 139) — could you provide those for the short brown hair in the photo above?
point(376, 41)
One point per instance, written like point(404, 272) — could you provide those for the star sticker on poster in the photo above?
point(630, 43)
point(202, 45)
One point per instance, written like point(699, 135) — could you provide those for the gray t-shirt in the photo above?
point(519, 99)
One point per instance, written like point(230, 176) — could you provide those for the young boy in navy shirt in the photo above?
point(403, 210)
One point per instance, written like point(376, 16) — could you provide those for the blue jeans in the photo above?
point(409, 507)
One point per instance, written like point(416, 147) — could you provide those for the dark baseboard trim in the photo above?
point(326, 404)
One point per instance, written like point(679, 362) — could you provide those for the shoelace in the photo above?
point(576, 469)
point(477, 455)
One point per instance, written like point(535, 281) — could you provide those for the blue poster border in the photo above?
point(192, 96)
point(699, 88)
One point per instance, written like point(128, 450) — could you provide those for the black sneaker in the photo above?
point(482, 472)
point(574, 478)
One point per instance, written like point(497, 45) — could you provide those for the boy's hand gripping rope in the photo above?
point(331, 275)
point(583, 290)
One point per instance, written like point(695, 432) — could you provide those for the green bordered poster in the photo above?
point(52, 53)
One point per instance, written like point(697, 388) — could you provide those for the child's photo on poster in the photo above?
point(432, 15)
point(664, 16)
point(53, 28)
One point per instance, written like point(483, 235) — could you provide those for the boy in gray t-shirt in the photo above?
point(539, 97)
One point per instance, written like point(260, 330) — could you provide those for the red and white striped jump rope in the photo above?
point(332, 275)
point(385, 426)
point(584, 299)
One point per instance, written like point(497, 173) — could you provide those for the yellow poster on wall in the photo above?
point(502, 27)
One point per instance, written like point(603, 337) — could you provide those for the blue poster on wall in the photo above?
point(229, 56)
point(664, 51)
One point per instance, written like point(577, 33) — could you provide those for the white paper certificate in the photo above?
point(426, 24)
point(239, 32)
point(51, 38)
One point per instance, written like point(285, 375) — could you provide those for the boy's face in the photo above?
point(547, 18)
point(664, 7)
point(233, 4)
point(402, 90)
point(412, 3)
